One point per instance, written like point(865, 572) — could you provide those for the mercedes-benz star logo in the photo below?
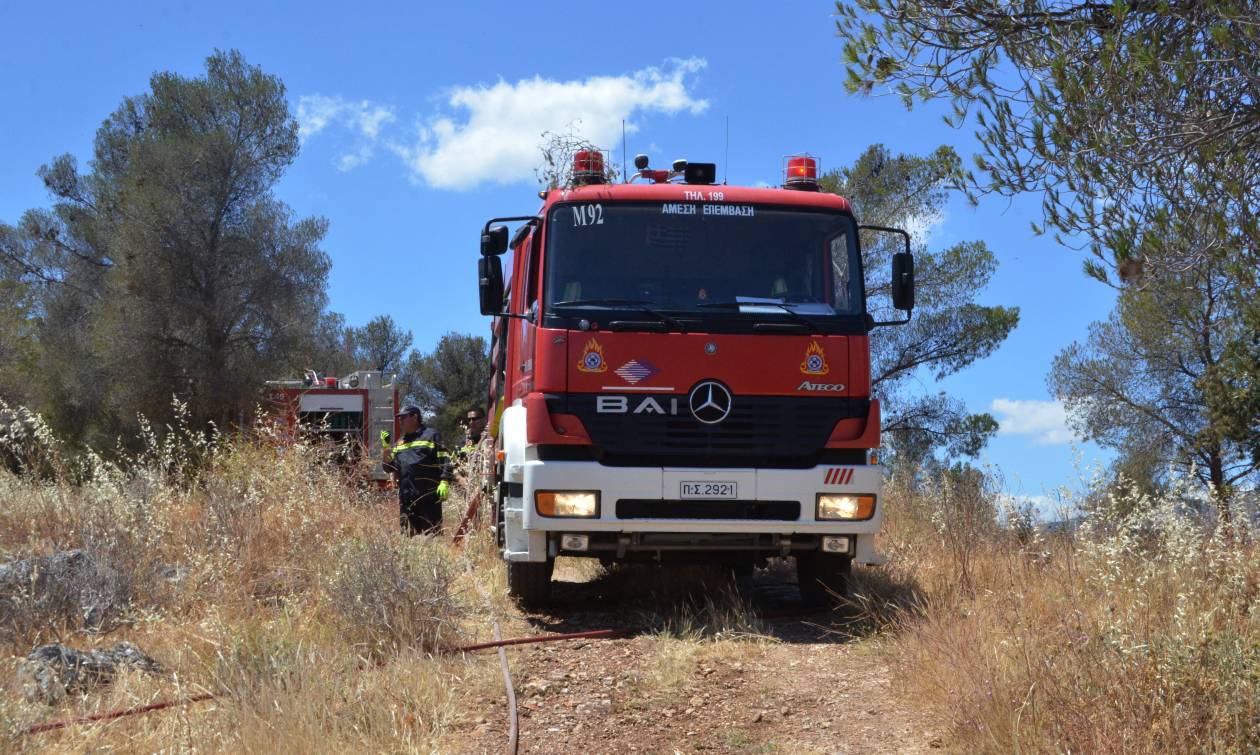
point(710, 402)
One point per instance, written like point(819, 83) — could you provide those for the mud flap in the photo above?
point(519, 544)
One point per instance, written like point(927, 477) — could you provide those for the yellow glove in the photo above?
point(443, 488)
point(384, 438)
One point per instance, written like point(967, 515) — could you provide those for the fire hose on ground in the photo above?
point(498, 643)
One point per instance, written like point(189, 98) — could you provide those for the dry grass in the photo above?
point(672, 665)
point(1142, 636)
point(694, 602)
point(254, 572)
point(250, 571)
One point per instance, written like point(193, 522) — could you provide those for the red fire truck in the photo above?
point(682, 374)
point(350, 412)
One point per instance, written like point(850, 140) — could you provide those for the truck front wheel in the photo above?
point(529, 582)
point(822, 577)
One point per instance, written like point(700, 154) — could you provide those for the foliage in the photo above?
point(949, 330)
point(338, 348)
point(252, 571)
point(381, 344)
point(332, 348)
point(389, 598)
point(1115, 111)
point(448, 381)
point(18, 344)
point(1135, 633)
point(169, 268)
point(1135, 121)
point(558, 150)
point(1140, 382)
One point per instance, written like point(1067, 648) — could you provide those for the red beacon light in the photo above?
point(588, 167)
point(800, 172)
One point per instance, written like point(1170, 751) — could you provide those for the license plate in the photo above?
point(708, 490)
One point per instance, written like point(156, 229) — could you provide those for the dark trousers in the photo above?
point(422, 515)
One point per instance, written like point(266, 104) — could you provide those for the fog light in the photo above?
point(845, 506)
point(567, 503)
point(835, 544)
point(574, 542)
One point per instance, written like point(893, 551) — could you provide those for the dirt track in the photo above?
point(795, 687)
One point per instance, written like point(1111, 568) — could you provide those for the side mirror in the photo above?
point(494, 241)
point(490, 281)
point(903, 281)
point(902, 276)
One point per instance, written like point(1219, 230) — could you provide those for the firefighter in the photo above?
point(474, 426)
point(469, 455)
point(423, 469)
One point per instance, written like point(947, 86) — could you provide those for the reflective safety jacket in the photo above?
point(420, 461)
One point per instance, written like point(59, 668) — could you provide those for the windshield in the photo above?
point(696, 257)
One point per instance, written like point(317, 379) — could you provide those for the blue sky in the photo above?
point(420, 121)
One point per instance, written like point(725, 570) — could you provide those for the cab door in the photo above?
point(525, 298)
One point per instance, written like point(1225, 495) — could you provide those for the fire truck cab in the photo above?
point(682, 374)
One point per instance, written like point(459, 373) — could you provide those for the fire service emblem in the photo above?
point(593, 358)
point(815, 360)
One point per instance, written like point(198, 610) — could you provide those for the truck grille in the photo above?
point(782, 431)
point(634, 508)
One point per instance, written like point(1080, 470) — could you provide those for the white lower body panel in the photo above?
point(526, 530)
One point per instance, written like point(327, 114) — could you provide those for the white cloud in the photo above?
point(497, 135)
point(371, 117)
point(314, 112)
point(351, 160)
point(363, 120)
point(1045, 421)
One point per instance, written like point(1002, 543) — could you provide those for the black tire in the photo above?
point(529, 582)
point(823, 578)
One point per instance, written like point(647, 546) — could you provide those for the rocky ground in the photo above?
point(793, 686)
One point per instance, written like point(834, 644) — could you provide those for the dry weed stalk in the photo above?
point(1136, 634)
point(249, 568)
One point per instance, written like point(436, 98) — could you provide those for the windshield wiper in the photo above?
point(798, 317)
point(638, 304)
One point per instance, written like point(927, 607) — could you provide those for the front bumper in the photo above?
point(532, 536)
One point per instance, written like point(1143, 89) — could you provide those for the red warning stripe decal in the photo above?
point(838, 476)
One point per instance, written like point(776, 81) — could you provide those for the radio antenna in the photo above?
point(726, 160)
point(624, 178)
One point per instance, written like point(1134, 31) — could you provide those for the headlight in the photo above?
point(845, 506)
point(572, 503)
